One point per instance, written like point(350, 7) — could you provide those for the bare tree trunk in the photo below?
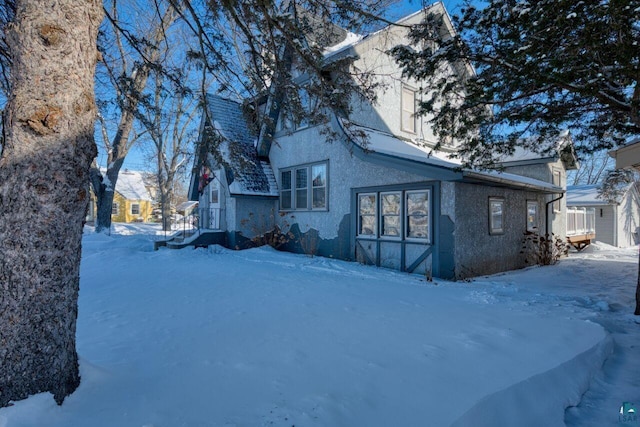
point(119, 147)
point(44, 171)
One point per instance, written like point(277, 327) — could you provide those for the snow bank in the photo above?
point(260, 337)
point(555, 390)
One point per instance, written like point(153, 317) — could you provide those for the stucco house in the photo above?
point(387, 199)
point(616, 222)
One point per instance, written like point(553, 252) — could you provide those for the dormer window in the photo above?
point(408, 113)
point(288, 121)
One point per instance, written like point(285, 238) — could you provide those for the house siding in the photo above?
point(615, 224)
point(544, 172)
point(605, 224)
point(345, 171)
point(385, 114)
point(628, 220)
point(124, 210)
point(477, 252)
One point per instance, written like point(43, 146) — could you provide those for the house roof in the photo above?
point(562, 149)
point(417, 158)
point(246, 174)
point(628, 155)
point(131, 186)
point(187, 206)
point(346, 45)
point(587, 195)
point(583, 195)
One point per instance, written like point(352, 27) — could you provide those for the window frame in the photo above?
point(534, 204)
point(382, 215)
point(308, 189)
point(493, 230)
point(375, 215)
point(131, 208)
point(426, 239)
point(115, 208)
point(404, 91)
point(286, 190)
point(288, 123)
point(555, 172)
point(403, 214)
point(314, 187)
point(297, 201)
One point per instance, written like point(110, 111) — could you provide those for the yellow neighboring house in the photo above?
point(131, 201)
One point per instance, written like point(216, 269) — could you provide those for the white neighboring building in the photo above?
point(616, 224)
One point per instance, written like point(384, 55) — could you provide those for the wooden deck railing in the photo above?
point(581, 226)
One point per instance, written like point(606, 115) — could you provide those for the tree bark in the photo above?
point(44, 171)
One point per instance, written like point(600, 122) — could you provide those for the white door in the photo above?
point(214, 203)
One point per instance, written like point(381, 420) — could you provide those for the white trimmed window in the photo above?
point(496, 215)
point(408, 114)
point(115, 209)
point(304, 187)
point(319, 186)
point(135, 209)
point(532, 215)
point(286, 197)
point(287, 121)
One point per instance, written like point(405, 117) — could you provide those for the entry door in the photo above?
point(214, 203)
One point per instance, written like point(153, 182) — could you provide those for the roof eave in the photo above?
point(478, 178)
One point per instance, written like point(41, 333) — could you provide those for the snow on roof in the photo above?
point(586, 195)
point(583, 195)
point(351, 40)
point(186, 206)
point(522, 154)
point(131, 186)
point(246, 174)
point(388, 144)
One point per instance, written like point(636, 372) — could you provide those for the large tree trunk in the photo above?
point(44, 172)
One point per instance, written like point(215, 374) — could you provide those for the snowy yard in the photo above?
point(263, 338)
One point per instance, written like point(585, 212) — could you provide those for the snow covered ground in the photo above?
point(212, 337)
